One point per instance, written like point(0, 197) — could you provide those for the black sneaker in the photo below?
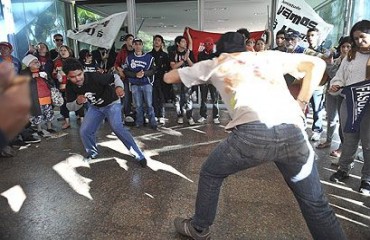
point(52, 131)
point(31, 139)
point(143, 162)
point(365, 187)
point(339, 176)
point(184, 227)
point(19, 143)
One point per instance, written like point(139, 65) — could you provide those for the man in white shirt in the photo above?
point(267, 125)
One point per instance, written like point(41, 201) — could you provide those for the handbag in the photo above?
point(56, 97)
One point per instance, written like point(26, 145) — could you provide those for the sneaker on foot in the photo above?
point(191, 121)
point(180, 120)
point(90, 157)
point(365, 187)
point(184, 227)
point(216, 121)
point(162, 120)
point(52, 131)
point(44, 133)
point(129, 119)
point(339, 176)
point(143, 162)
point(202, 120)
point(315, 136)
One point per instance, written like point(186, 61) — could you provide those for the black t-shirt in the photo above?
point(162, 64)
point(99, 89)
point(177, 56)
point(204, 56)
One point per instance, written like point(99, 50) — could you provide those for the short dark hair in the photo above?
point(71, 64)
point(158, 36)
point(312, 30)
point(127, 36)
point(244, 32)
point(179, 38)
point(281, 31)
point(57, 35)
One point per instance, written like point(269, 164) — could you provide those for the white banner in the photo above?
point(299, 16)
point(101, 33)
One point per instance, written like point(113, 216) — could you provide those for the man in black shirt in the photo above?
point(182, 57)
point(101, 92)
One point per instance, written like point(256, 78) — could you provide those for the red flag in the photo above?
point(198, 38)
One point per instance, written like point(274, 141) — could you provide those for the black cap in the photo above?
point(230, 42)
point(137, 40)
point(292, 34)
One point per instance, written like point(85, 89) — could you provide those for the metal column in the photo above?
point(200, 14)
point(131, 16)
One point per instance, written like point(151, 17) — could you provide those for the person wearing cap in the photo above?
point(101, 92)
point(182, 57)
point(208, 53)
point(40, 94)
point(162, 65)
point(126, 49)
point(139, 70)
point(263, 128)
point(6, 50)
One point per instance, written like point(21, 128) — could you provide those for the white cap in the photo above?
point(28, 59)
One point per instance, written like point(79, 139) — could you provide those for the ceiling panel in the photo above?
point(170, 18)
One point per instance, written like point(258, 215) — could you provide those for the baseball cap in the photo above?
point(137, 40)
point(28, 59)
point(6, 44)
point(230, 42)
point(292, 34)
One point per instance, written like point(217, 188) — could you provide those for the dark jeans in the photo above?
point(127, 104)
point(203, 104)
point(253, 144)
point(158, 98)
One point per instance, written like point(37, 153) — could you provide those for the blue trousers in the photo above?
point(94, 117)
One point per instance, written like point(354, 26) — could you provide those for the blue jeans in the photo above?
point(140, 93)
point(252, 144)
point(94, 117)
point(317, 102)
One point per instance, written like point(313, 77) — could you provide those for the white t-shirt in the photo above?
point(251, 85)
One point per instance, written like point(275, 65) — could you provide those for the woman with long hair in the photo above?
point(354, 69)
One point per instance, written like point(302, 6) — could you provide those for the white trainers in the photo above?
point(315, 136)
point(180, 120)
point(202, 120)
point(146, 120)
point(162, 120)
point(129, 119)
point(191, 122)
point(216, 121)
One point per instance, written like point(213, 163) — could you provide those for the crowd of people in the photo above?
point(97, 84)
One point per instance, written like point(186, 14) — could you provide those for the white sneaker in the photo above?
point(162, 120)
point(146, 120)
point(216, 121)
point(129, 119)
point(191, 122)
point(315, 136)
point(202, 120)
point(180, 120)
point(156, 119)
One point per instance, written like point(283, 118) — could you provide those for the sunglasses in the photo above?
point(58, 40)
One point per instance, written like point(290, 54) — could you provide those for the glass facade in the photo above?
point(360, 11)
point(33, 22)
